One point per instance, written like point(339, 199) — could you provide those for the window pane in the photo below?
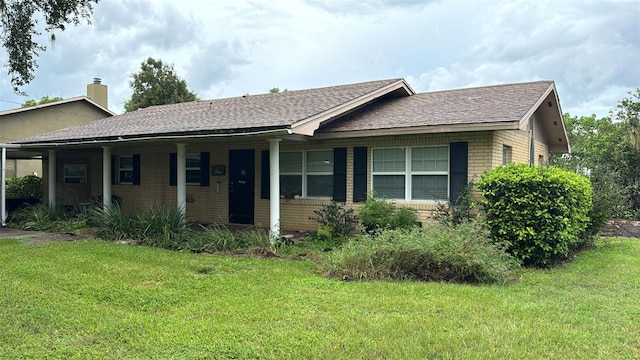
point(320, 185)
point(320, 161)
point(388, 160)
point(193, 176)
point(75, 170)
point(126, 176)
point(290, 185)
point(429, 187)
point(125, 162)
point(193, 161)
point(388, 186)
point(75, 174)
point(291, 162)
point(430, 159)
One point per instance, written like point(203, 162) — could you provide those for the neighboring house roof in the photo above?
point(391, 108)
point(56, 103)
point(299, 111)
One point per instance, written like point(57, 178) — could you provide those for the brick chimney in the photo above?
point(98, 92)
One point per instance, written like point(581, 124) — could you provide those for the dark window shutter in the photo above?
point(113, 170)
point(340, 174)
point(204, 169)
point(359, 174)
point(136, 169)
point(173, 169)
point(264, 179)
point(458, 165)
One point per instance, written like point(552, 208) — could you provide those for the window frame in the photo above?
point(197, 169)
point(121, 170)
point(83, 178)
point(507, 154)
point(305, 173)
point(408, 172)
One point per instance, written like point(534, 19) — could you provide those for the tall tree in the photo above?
point(608, 149)
point(628, 112)
point(18, 27)
point(43, 100)
point(157, 84)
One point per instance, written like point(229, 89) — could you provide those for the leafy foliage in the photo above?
point(432, 253)
point(458, 211)
point(18, 23)
point(29, 186)
point(43, 100)
point(538, 213)
point(157, 84)
point(42, 217)
point(377, 214)
point(608, 150)
point(166, 227)
point(339, 221)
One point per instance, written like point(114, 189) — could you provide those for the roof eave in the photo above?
point(151, 137)
point(309, 125)
point(416, 130)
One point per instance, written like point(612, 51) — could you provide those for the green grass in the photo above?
point(95, 300)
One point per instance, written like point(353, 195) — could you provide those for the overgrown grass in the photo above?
point(441, 253)
point(96, 300)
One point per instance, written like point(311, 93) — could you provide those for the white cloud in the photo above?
point(591, 49)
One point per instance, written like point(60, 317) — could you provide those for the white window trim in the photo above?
point(304, 173)
point(408, 173)
point(120, 169)
point(193, 168)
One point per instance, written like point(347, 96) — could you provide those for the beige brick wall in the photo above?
point(207, 204)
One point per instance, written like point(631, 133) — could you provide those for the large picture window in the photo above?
point(306, 173)
point(75, 174)
point(418, 173)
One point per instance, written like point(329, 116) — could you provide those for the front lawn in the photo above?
point(95, 299)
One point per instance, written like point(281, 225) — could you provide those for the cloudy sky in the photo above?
point(229, 48)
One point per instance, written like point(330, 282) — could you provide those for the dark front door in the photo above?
point(241, 186)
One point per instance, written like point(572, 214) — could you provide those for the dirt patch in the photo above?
point(38, 237)
point(623, 228)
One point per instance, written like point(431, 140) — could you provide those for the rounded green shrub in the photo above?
point(539, 213)
point(379, 214)
point(29, 186)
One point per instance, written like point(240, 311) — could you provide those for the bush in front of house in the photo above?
point(462, 254)
point(160, 226)
point(218, 238)
point(42, 217)
point(166, 227)
point(26, 187)
point(457, 211)
point(379, 214)
point(539, 213)
point(336, 220)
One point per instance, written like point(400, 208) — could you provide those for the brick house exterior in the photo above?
point(272, 159)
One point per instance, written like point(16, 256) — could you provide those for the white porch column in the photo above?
point(274, 189)
point(3, 189)
point(52, 178)
point(181, 174)
point(106, 176)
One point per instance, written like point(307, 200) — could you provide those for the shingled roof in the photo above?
point(301, 110)
point(508, 103)
point(385, 107)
